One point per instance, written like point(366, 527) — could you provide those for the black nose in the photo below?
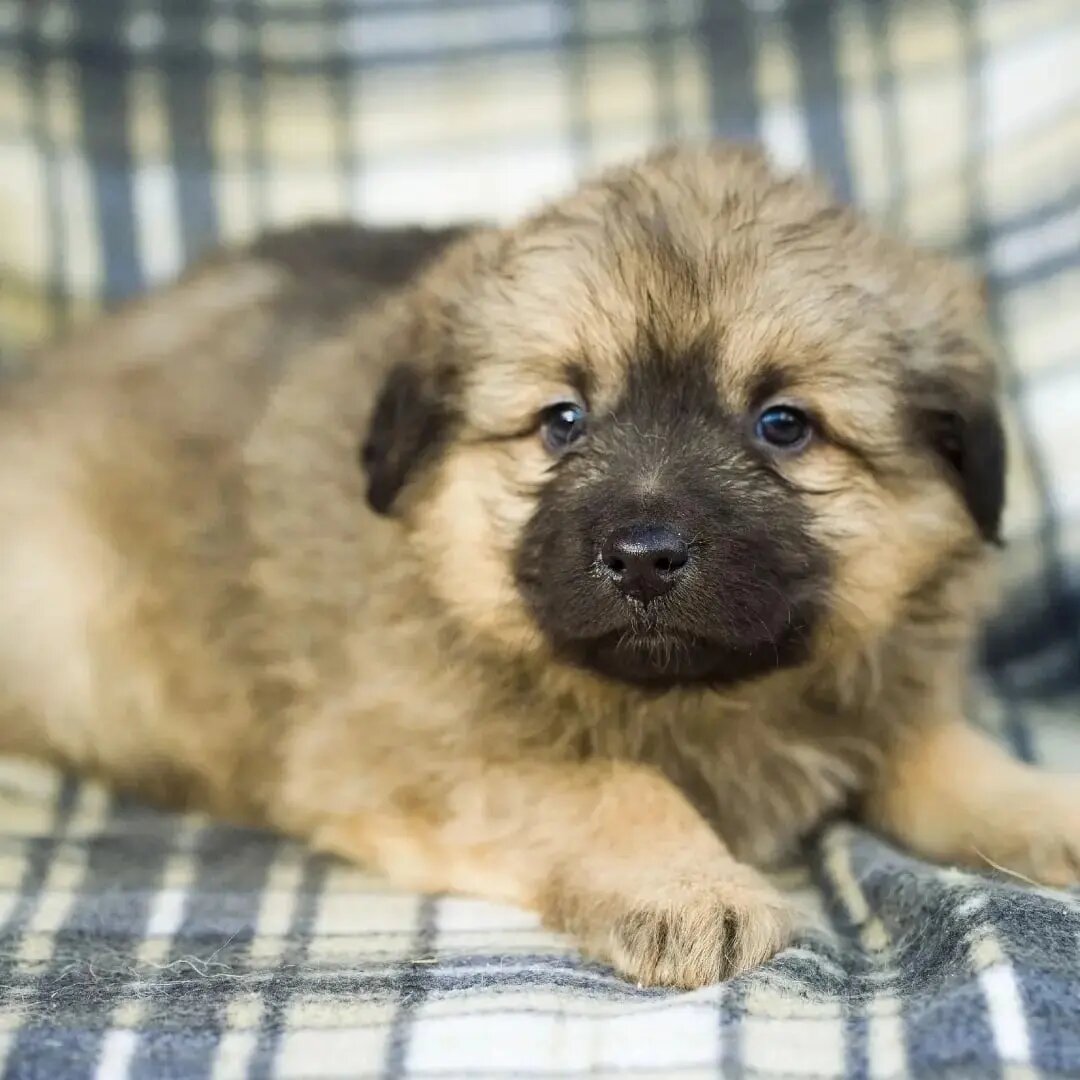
point(644, 560)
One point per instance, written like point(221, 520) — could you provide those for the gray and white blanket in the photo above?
point(136, 133)
point(146, 945)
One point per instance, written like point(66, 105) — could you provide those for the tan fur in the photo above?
point(957, 797)
point(196, 602)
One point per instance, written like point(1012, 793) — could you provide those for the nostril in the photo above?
point(616, 565)
point(672, 560)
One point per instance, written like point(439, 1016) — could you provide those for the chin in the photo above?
point(667, 661)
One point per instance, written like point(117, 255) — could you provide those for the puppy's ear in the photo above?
point(965, 431)
point(409, 423)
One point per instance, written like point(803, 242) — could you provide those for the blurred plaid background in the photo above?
point(135, 134)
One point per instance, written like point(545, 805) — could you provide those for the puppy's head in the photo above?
point(692, 424)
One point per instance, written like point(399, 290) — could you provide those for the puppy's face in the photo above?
point(692, 425)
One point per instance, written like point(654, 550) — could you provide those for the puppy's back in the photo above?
point(124, 545)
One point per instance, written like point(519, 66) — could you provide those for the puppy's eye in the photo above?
point(784, 427)
point(561, 425)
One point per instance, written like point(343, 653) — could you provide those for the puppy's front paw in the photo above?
point(686, 933)
point(1040, 840)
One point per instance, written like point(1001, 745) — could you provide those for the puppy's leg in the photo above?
point(950, 793)
point(610, 853)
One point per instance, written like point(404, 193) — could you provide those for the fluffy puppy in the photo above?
point(586, 564)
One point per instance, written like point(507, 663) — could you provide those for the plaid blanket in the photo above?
point(149, 945)
point(134, 134)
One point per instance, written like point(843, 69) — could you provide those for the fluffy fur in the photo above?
point(285, 542)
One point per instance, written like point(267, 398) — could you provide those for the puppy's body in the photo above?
point(138, 517)
point(420, 661)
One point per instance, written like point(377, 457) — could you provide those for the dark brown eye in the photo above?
point(783, 427)
point(562, 425)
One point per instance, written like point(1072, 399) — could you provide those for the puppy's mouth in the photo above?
point(661, 660)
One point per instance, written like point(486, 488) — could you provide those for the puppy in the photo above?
point(585, 565)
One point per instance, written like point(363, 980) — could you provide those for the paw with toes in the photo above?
point(685, 934)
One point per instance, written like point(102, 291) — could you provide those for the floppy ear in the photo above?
point(409, 423)
point(968, 436)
